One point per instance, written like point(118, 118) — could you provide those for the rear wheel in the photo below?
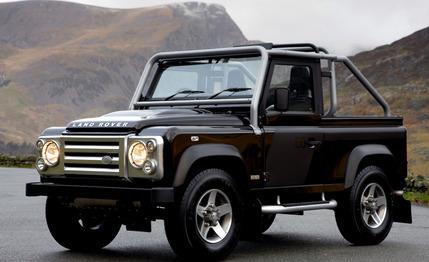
point(76, 231)
point(206, 224)
point(364, 215)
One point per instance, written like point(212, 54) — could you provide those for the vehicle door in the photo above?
point(293, 137)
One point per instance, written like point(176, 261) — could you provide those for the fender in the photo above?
point(359, 153)
point(196, 152)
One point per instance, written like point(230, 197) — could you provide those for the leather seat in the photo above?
point(300, 86)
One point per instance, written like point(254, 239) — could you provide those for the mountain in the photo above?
point(400, 71)
point(60, 61)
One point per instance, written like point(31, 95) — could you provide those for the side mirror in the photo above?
point(281, 99)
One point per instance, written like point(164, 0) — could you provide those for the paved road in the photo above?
point(313, 237)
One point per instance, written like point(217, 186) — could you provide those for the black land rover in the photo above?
point(216, 143)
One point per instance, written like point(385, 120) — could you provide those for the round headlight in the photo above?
point(40, 164)
point(137, 154)
point(149, 167)
point(151, 146)
point(51, 153)
point(39, 144)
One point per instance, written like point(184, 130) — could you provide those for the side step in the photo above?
point(291, 208)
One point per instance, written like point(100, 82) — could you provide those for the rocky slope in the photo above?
point(400, 71)
point(60, 61)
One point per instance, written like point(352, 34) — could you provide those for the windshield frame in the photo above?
point(147, 80)
point(143, 85)
point(163, 66)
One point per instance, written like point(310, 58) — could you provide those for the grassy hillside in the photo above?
point(61, 61)
point(400, 71)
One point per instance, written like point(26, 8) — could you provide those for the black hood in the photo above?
point(135, 120)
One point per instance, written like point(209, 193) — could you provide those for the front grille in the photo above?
point(92, 155)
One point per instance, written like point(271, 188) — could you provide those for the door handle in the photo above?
point(313, 143)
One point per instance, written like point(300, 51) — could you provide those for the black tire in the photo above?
point(256, 223)
point(182, 222)
point(354, 216)
point(76, 233)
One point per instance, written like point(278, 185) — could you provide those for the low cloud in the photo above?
point(342, 26)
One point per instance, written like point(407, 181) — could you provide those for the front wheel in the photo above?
point(364, 215)
point(206, 224)
point(75, 231)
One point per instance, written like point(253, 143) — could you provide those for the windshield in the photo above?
point(206, 79)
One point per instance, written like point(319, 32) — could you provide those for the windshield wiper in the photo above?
point(232, 89)
point(183, 92)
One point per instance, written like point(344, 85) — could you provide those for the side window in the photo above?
point(298, 79)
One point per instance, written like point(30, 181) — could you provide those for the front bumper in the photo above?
point(147, 195)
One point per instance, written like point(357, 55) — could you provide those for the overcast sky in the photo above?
point(343, 26)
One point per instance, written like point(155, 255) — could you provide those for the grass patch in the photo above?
point(17, 161)
point(417, 189)
point(418, 197)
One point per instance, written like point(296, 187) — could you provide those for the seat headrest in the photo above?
point(299, 72)
point(236, 79)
